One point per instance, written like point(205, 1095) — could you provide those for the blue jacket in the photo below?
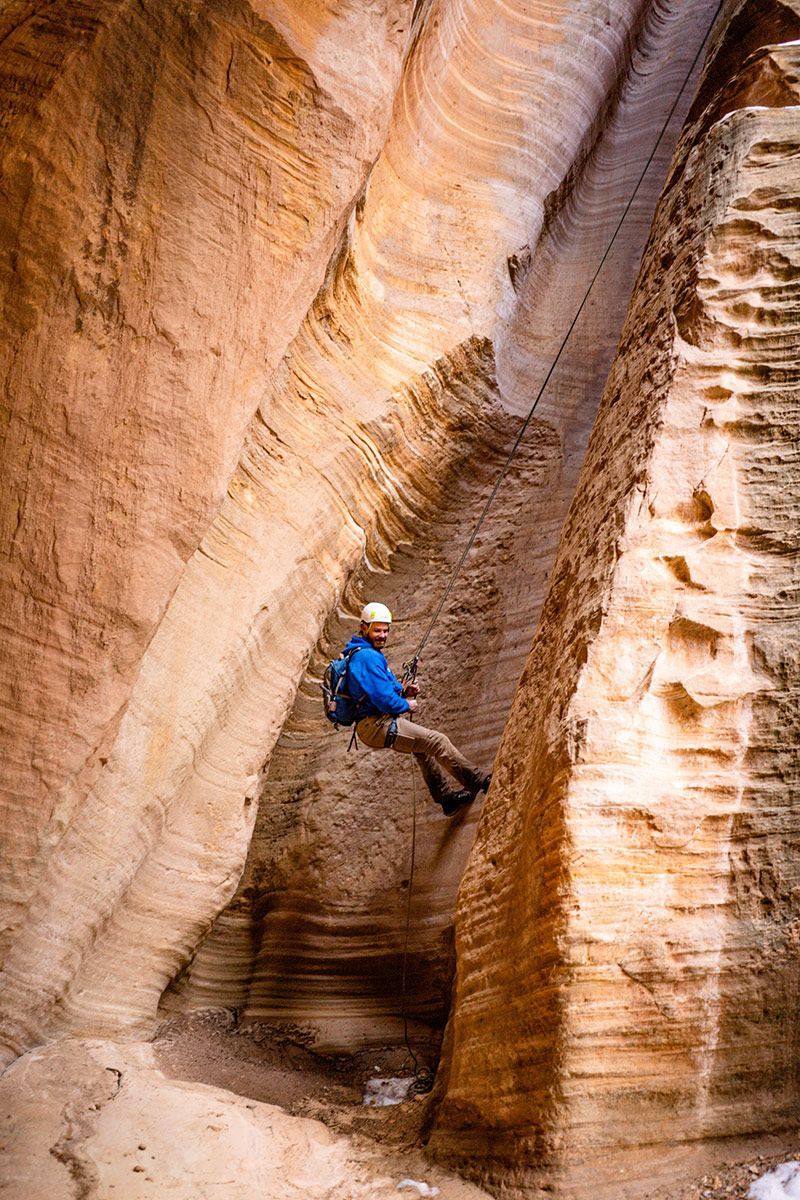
point(370, 681)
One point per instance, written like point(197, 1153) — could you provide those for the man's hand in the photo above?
point(410, 689)
point(412, 704)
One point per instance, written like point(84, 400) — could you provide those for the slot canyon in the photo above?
point(488, 311)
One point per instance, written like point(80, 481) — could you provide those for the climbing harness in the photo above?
point(391, 734)
point(488, 504)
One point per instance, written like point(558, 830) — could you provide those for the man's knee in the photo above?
point(435, 743)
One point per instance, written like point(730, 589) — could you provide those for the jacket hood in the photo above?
point(358, 640)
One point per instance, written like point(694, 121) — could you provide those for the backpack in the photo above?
point(340, 707)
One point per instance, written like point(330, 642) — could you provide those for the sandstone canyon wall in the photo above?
point(315, 932)
point(280, 282)
point(641, 834)
point(146, 714)
point(174, 181)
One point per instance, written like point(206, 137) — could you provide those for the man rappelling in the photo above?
point(382, 707)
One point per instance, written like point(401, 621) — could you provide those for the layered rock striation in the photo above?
point(280, 284)
point(174, 182)
point(626, 990)
point(316, 932)
point(160, 277)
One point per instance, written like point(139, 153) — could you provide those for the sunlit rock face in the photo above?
point(440, 317)
point(626, 988)
point(126, 1128)
point(315, 932)
point(280, 284)
point(174, 180)
point(373, 232)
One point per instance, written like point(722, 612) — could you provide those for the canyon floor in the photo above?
point(265, 1063)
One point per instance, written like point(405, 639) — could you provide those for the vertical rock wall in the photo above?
point(627, 985)
point(315, 933)
point(278, 285)
point(141, 760)
point(174, 181)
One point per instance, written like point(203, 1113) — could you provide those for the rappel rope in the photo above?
point(412, 666)
point(404, 977)
point(564, 340)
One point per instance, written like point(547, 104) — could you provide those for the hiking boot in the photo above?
point(456, 800)
point(482, 785)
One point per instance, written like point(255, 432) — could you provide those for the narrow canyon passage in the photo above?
point(281, 283)
point(331, 466)
point(314, 934)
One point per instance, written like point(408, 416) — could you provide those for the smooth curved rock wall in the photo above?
point(174, 180)
point(626, 990)
point(315, 933)
point(141, 760)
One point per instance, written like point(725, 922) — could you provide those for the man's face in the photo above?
point(377, 633)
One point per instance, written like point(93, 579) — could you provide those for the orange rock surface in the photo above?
point(280, 284)
point(624, 989)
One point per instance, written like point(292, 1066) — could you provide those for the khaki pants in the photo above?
point(434, 752)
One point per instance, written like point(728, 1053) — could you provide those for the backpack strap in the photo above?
point(348, 656)
point(358, 703)
point(354, 741)
point(343, 677)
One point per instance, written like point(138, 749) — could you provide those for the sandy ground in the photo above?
point(265, 1063)
point(728, 1183)
point(268, 1064)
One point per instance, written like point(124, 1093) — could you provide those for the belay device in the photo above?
point(340, 707)
point(410, 674)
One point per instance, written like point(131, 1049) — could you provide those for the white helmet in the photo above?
point(376, 612)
